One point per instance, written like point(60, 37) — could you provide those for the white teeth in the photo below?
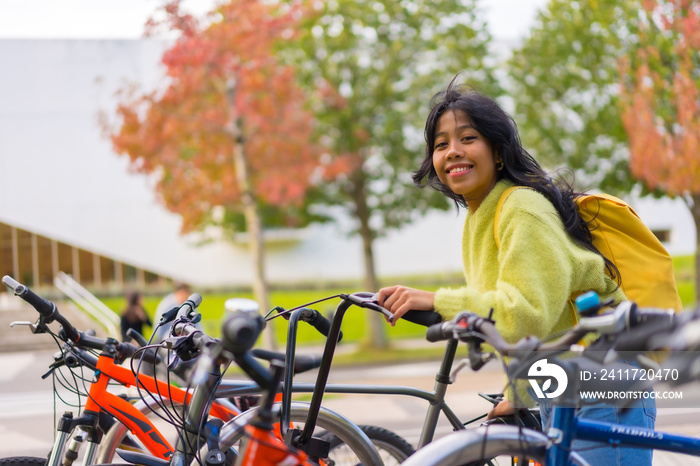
point(459, 169)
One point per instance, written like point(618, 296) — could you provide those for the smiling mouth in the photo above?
point(459, 170)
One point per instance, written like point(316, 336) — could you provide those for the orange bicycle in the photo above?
point(90, 426)
point(101, 406)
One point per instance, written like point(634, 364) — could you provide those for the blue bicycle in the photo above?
point(625, 333)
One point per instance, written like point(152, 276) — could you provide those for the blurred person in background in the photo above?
point(134, 316)
point(181, 291)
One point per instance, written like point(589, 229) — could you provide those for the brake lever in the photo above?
point(31, 326)
point(368, 300)
point(493, 399)
point(184, 347)
point(174, 363)
point(460, 365)
point(58, 362)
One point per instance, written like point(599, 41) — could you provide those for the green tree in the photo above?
point(229, 130)
point(564, 79)
point(660, 104)
point(377, 63)
point(586, 62)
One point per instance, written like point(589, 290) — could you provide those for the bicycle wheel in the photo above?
point(483, 445)
point(331, 422)
point(391, 447)
point(22, 461)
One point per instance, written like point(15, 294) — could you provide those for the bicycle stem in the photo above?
point(323, 373)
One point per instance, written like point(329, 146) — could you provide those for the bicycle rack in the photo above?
point(89, 303)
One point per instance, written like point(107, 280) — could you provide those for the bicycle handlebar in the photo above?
point(367, 300)
point(190, 304)
point(627, 316)
point(43, 307)
point(241, 331)
point(49, 312)
point(140, 339)
point(47, 309)
point(183, 310)
point(317, 321)
point(424, 318)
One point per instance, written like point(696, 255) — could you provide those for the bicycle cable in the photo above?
point(167, 414)
point(288, 311)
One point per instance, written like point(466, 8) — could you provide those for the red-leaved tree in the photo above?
point(229, 128)
point(661, 104)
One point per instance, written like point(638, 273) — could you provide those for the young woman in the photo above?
point(134, 315)
point(544, 257)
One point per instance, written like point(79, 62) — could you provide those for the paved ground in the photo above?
point(27, 404)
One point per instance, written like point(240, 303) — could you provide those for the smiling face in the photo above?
point(463, 158)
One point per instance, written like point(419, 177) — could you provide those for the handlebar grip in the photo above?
point(195, 299)
point(644, 324)
point(437, 332)
point(424, 318)
point(319, 322)
point(88, 341)
point(190, 304)
point(43, 307)
point(140, 339)
point(241, 331)
point(649, 315)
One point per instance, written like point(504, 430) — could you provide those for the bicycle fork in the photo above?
point(88, 431)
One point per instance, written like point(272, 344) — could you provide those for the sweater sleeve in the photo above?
point(534, 274)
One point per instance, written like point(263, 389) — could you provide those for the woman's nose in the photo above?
point(454, 150)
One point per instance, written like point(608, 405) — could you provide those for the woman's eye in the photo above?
point(468, 138)
point(440, 145)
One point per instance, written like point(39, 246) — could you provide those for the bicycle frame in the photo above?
point(100, 399)
point(564, 427)
point(263, 448)
point(436, 398)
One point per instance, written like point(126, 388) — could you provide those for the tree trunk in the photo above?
point(695, 210)
point(256, 243)
point(377, 333)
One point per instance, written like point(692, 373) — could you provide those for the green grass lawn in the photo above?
point(354, 323)
point(685, 279)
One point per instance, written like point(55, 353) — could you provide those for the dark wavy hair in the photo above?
point(134, 311)
point(501, 131)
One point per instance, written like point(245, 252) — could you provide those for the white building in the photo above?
point(61, 182)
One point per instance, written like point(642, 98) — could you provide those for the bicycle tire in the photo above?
point(329, 421)
point(22, 461)
point(391, 447)
point(481, 446)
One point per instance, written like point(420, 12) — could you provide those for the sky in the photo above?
point(121, 19)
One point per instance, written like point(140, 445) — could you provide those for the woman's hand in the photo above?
point(401, 299)
point(504, 408)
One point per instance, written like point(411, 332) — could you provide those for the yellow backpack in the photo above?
point(645, 267)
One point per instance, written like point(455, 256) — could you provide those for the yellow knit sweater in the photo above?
point(529, 280)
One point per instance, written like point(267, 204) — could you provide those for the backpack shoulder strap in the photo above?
point(496, 225)
point(499, 207)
